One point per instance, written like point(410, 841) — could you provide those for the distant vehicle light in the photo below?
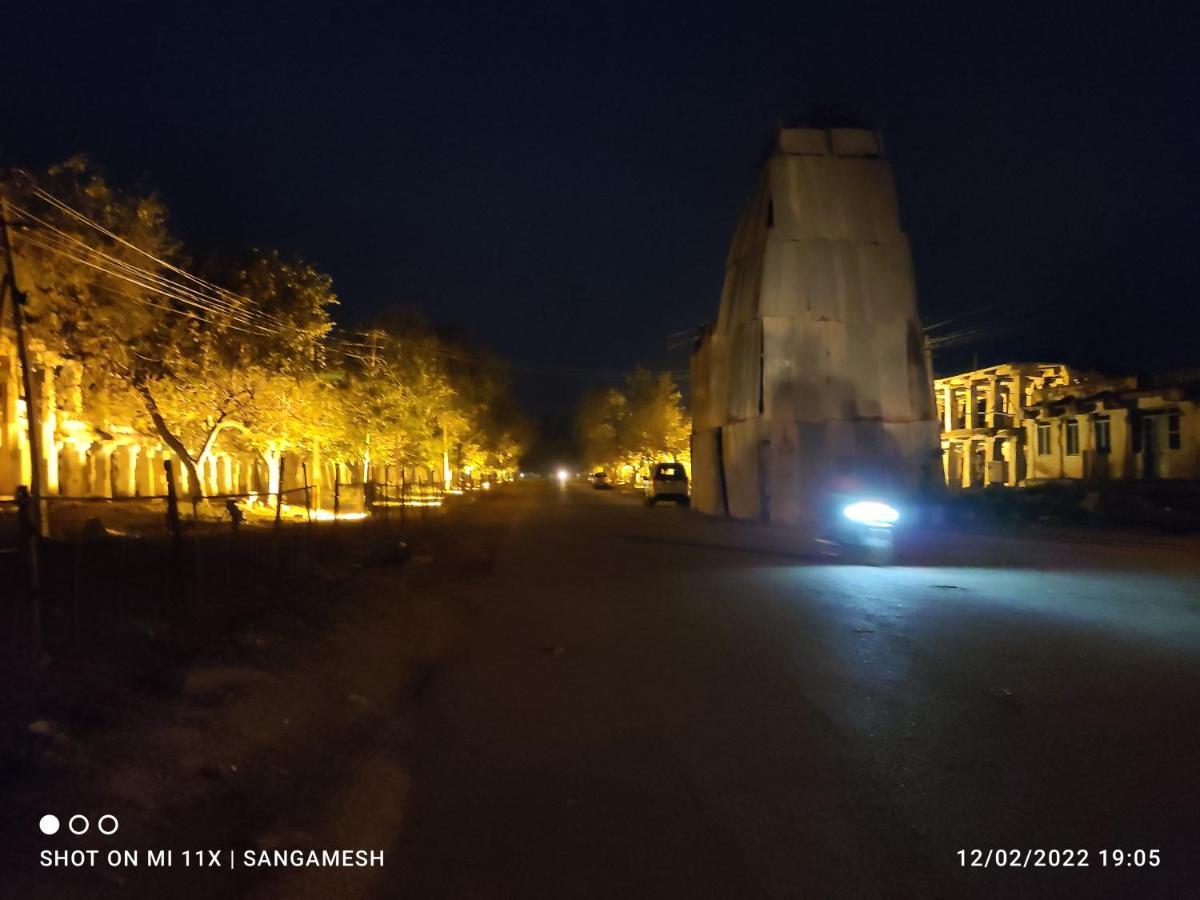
point(563, 475)
point(871, 512)
point(487, 485)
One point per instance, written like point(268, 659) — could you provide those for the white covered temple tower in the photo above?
point(816, 363)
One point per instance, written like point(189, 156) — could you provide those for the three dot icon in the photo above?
point(77, 824)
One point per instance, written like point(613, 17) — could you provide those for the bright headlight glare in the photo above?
point(871, 512)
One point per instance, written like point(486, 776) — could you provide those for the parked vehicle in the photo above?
point(600, 482)
point(667, 481)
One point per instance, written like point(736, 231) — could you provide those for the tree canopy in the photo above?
point(634, 425)
point(250, 347)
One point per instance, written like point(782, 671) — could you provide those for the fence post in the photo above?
point(278, 515)
point(173, 528)
point(172, 503)
point(337, 492)
point(28, 526)
point(279, 495)
point(387, 473)
point(307, 500)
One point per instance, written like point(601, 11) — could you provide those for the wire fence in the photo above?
point(78, 570)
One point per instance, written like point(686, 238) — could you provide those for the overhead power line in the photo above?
point(237, 312)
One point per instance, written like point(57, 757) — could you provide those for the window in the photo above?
point(1174, 439)
point(1072, 437)
point(1103, 435)
point(1043, 438)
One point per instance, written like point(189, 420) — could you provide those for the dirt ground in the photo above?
point(282, 724)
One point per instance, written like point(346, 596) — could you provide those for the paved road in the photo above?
point(652, 703)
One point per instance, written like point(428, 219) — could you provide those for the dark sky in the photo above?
point(563, 180)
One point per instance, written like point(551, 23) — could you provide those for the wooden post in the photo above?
point(307, 501)
point(29, 540)
point(173, 528)
point(172, 504)
point(31, 404)
point(279, 495)
point(278, 515)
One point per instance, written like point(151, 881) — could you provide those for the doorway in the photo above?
point(1151, 446)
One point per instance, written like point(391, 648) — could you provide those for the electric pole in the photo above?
point(31, 410)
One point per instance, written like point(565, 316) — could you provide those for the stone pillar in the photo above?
point(182, 479)
point(73, 477)
point(143, 472)
point(271, 457)
point(994, 403)
point(100, 470)
point(971, 399)
point(1016, 400)
point(10, 442)
point(47, 413)
point(224, 474)
point(1012, 449)
point(948, 408)
point(125, 460)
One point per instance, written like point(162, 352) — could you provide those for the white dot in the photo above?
point(48, 824)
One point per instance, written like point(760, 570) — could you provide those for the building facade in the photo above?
point(80, 457)
point(1029, 423)
point(982, 415)
point(816, 362)
point(1116, 429)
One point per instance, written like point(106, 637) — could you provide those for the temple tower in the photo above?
point(816, 363)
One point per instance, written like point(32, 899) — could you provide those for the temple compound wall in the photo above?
point(815, 366)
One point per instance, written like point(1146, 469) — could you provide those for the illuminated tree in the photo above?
point(248, 348)
point(637, 424)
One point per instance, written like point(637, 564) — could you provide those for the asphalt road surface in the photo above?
point(655, 703)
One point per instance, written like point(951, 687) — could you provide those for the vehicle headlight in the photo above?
point(871, 512)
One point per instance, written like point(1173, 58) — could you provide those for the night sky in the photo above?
point(563, 181)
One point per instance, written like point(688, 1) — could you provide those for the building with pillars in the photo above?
point(84, 458)
point(1114, 429)
point(983, 415)
point(1027, 423)
point(80, 458)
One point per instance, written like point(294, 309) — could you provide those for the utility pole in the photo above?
point(18, 301)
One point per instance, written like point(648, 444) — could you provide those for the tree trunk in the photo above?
point(195, 487)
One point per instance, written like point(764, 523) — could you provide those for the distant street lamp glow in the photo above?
point(563, 475)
